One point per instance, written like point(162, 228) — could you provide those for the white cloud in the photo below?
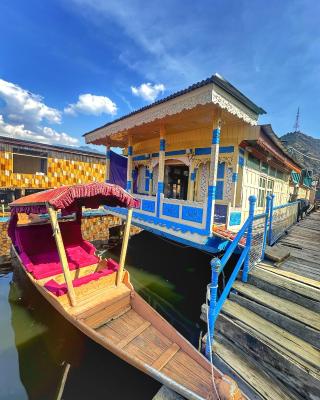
point(43, 134)
point(22, 106)
point(91, 104)
point(148, 91)
point(22, 114)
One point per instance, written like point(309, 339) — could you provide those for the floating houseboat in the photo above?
point(193, 160)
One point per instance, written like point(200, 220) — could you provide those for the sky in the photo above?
point(67, 67)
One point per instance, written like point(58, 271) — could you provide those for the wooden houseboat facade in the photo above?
point(197, 156)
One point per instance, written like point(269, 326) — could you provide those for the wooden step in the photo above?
point(288, 274)
point(97, 300)
point(298, 329)
point(283, 306)
point(281, 286)
point(112, 309)
point(254, 382)
point(291, 360)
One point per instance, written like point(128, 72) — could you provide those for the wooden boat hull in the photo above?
point(123, 323)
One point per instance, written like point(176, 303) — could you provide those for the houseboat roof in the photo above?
point(224, 95)
point(267, 129)
point(48, 147)
point(72, 197)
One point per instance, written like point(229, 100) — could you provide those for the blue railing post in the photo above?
point(270, 220)
point(213, 286)
point(265, 233)
point(252, 202)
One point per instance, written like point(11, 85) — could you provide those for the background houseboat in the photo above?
point(197, 155)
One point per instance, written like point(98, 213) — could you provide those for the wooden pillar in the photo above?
point(212, 182)
point(192, 179)
point(150, 180)
point(235, 176)
point(107, 163)
point(162, 153)
point(62, 254)
point(129, 165)
point(124, 247)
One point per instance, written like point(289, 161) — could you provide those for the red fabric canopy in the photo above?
point(69, 199)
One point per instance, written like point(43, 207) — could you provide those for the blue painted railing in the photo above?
point(280, 219)
point(217, 267)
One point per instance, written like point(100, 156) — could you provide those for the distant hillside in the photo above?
point(307, 145)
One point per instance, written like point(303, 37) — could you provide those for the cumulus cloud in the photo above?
point(24, 106)
point(148, 91)
point(22, 114)
point(43, 134)
point(93, 105)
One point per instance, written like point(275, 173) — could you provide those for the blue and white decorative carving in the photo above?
point(193, 214)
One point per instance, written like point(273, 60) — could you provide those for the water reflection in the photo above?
point(43, 356)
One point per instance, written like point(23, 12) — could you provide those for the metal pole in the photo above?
point(265, 233)
point(213, 286)
point(270, 221)
point(252, 202)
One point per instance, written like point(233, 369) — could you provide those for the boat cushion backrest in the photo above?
point(38, 239)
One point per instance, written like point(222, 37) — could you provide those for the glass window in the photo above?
point(270, 187)
point(262, 191)
point(264, 168)
point(253, 162)
point(272, 172)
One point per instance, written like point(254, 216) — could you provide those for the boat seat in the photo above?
point(59, 289)
point(38, 252)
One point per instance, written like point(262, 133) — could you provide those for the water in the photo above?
point(39, 350)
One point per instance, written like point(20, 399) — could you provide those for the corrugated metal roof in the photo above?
point(43, 146)
point(216, 79)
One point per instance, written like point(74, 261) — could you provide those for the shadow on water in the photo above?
point(37, 345)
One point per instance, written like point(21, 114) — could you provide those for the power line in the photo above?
point(304, 155)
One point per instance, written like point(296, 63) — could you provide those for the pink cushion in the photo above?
point(39, 253)
point(60, 289)
point(80, 257)
point(111, 264)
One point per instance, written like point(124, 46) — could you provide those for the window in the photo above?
point(264, 168)
point(270, 186)
point(262, 191)
point(176, 181)
point(253, 162)
point(26, 161)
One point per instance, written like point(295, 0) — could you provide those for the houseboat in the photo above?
point(197, 156)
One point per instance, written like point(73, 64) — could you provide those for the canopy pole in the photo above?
point(62, 254)
point(124, 247)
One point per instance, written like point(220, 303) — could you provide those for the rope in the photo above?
point(210, 346)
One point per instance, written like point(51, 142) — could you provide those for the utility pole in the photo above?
point(296, 126)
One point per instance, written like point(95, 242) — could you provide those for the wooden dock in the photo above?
point(268, 333)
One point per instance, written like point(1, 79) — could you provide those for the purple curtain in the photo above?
point(118, 171)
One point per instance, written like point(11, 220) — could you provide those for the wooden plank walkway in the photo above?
point(303, 243)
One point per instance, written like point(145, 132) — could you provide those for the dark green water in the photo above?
point(38, 347)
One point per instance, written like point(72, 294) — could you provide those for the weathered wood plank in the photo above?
point(295, 348)
point(132, 335)
point(166, 356)
point(286, 307)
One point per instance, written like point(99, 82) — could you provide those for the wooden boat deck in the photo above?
point(303, 243)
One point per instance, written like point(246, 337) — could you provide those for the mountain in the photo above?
point(305, 144)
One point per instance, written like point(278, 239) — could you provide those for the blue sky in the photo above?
point(67, 67)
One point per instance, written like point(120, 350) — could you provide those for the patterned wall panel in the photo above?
point(63, 169)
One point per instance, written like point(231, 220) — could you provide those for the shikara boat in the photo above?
point(96, 295)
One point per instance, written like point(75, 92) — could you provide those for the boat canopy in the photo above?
point(72, 198)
